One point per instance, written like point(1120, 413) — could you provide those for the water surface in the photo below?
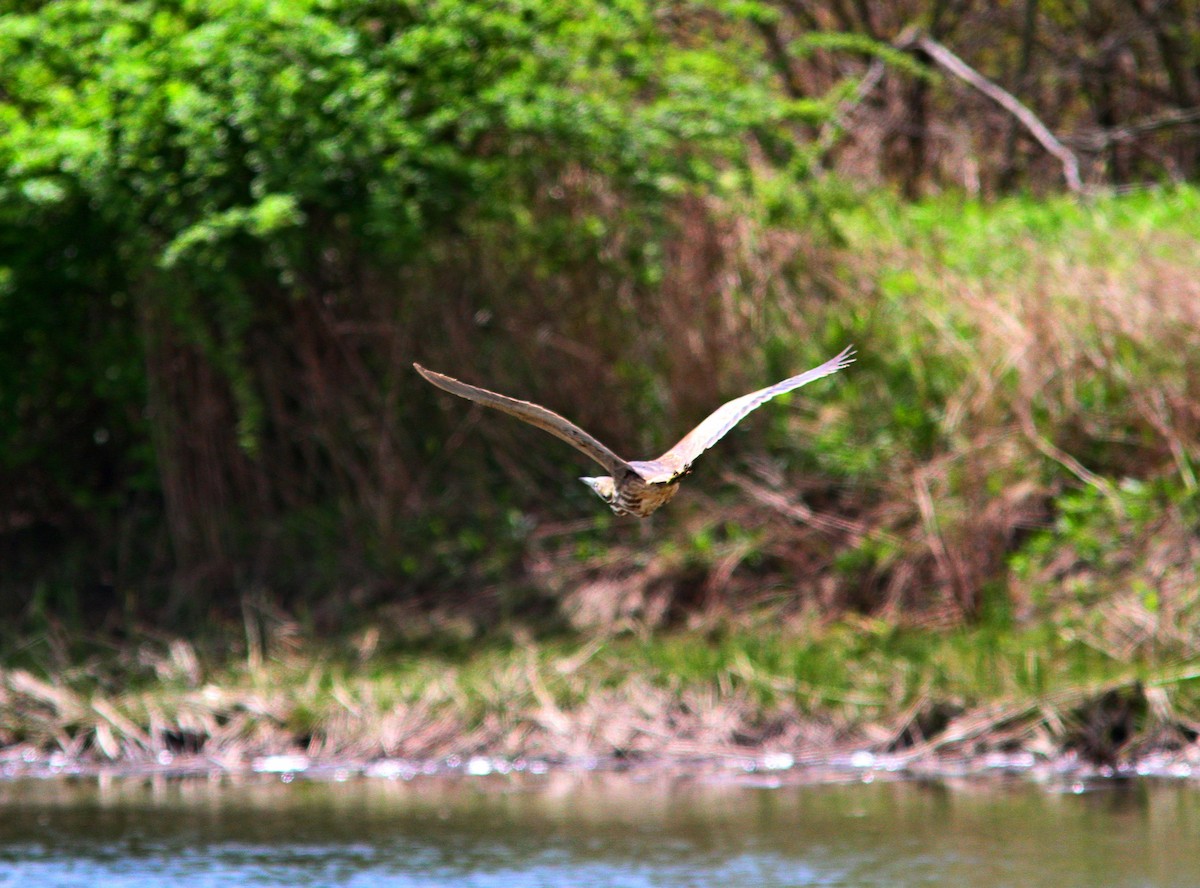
point(581, 829)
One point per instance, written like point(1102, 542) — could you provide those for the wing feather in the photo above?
point(535, 415)
point(676, 461)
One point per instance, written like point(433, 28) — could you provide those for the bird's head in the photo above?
point(605, 488)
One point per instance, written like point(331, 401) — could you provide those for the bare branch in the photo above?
point(1098, 140)
point(832, 129)
point(1010, 103)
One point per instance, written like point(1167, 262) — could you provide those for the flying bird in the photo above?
point(635, 487)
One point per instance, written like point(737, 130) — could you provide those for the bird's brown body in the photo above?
point(637, 487)
point(631, 494)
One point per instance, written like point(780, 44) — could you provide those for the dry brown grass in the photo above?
point(752, 696)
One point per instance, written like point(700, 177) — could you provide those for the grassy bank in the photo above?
point(984, 536)
point(807, 690)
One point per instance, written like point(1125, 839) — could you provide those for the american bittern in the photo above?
point(636, 487)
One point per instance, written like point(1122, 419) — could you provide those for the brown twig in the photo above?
point(799, 512)
point(1098, 140)
point(831, 129)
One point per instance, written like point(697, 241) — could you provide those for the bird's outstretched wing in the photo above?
point(676, 461)
point(535, 415)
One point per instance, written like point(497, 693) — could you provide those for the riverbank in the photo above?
point(768, 695)
point(985, 544)
point(765, 771)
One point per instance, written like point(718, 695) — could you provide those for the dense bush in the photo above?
point(228, 228)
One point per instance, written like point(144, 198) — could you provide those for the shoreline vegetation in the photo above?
point(1089, 655)
point(848, 698)
point(234, 523)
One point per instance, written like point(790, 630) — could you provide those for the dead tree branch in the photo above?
point(1098, 140)
point(1006, 100)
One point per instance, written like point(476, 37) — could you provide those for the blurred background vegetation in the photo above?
point(228, 229)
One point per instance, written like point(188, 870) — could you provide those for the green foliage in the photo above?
point(1080, 310)
point(178, 177)
point(190, 124)
point(1107, 544)
point(844, 41)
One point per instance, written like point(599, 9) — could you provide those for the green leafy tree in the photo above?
point(198, 199)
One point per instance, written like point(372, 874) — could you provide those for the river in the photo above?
point(575, 828)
